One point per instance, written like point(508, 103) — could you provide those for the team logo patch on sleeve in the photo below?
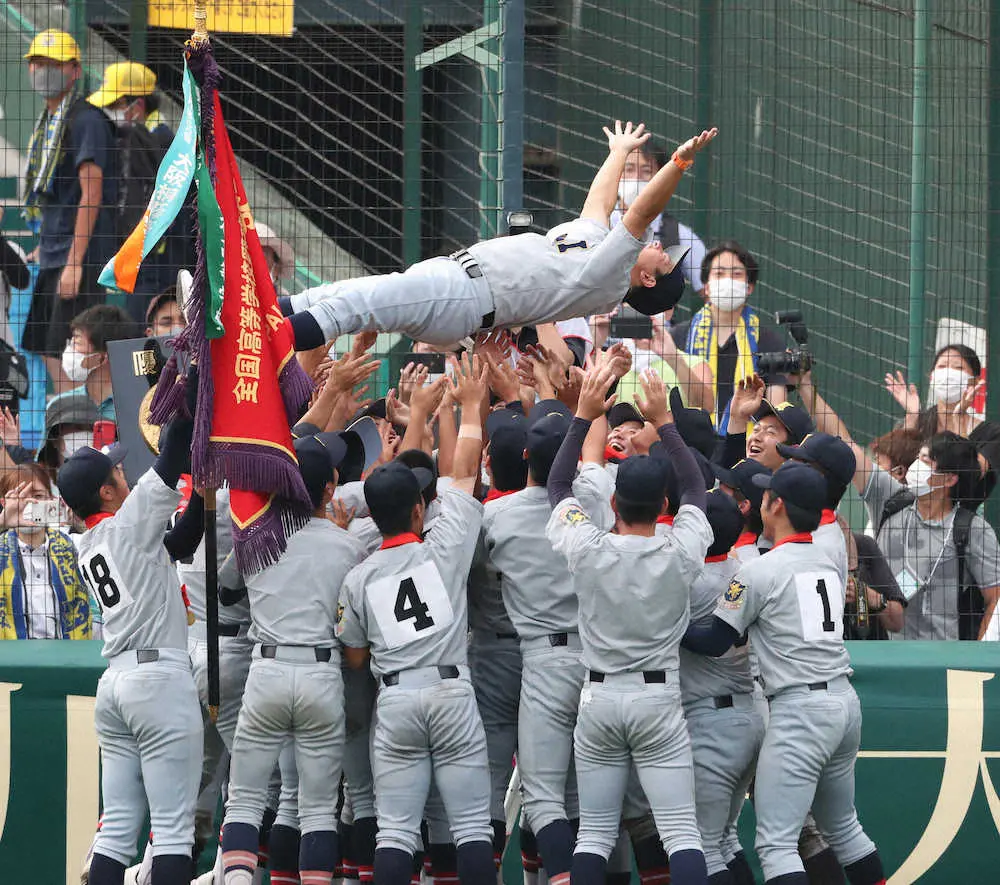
point(573, 516)
point(734, 595)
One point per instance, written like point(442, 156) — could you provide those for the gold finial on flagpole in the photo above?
point(200, 34)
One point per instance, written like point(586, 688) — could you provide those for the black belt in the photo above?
point(650, 677)
point(447, 672)
point(474, 272)
point(817, 686)
point(559, 640)
point(507, 636)
point(147, 656)
point(723, 702)
point(229, 629)
point(323, 655)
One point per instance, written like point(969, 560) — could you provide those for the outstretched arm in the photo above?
point(603, 192)
point(655, 196)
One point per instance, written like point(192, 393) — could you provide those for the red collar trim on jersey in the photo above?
point(665, 519)
point(400, 540)
point(721, 557)
point(797, 538)
point(745, 540)
point(493, 494)
point(95, 518)
point(828, 517)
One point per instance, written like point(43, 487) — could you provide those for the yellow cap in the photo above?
point(121, 79)
point(57, 45)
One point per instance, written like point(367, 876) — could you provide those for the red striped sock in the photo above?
point(315, 877)
point(365, 875)
point(279, 877)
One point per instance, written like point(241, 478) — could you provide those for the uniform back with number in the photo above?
point(576, 269)
point(124, 562)
point(792, 601)
point(408, 602)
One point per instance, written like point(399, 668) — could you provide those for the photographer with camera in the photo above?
point(42, 594)
point(727, 332)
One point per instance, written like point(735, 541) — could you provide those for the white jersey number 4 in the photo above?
point(411, 605)
point(821, 605)
point(105, 580)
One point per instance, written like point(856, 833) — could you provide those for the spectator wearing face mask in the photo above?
point(85, 359)
point(164, 315)
point(42, 594)
point(71, 188)
point(952, 387)
point(640, 166)
point(69, 425)
point(727, 333)
point(279, 255)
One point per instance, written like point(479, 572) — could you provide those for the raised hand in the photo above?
point(503, 380)
point(748, 397)
point(905, 394)
point(626, 138)
point(619, 359)
point(351, 369)
point(652, 401)
point(412, 376)
point(10, 428)
point(425, 400)
point(592, 401)
point(468, 383)
point(363, 342)
point(691, 147)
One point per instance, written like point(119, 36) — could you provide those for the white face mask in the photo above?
point(72, 364)
point(948, 385)
point(727, 294)
point(629, 189)
point(74, 440)
point(918, 478)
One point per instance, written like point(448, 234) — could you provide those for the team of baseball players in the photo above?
point(611, 625)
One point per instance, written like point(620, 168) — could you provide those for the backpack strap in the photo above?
point(897, 503)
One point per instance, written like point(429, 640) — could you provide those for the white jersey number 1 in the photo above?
point(821, 605)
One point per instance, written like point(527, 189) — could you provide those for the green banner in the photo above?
point(927, 780)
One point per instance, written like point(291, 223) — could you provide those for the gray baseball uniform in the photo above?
point(725, 729)
point(576, 269)
point(295, 686)
point(792, 602)
point(631, 626)
point(541, 601)
point(407, 602)
point(147, 715)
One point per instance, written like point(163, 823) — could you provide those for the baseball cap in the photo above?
point(546, 407)
point(668, 290)
point(158, 300)
point(57, 45)
point(319, 456)
point(620, 413)
point(371, 445)
point(121, 79)
point(796, 483)
point(830, 453)
point(508, 438)
point(390, 488)
point(270, 240)
point(641, 479)
point(673, 488)
point(84, 472)
point(694, 425)
point(793, 418)
point(424, 467)
point(740, 477)
point(726, 521)
point(74, 408)
point(374, 409)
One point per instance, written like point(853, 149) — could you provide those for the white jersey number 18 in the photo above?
point(105, 580)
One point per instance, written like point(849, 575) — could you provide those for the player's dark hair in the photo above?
point(631, 513)
point(802, 520)
point(753, 520)
point(539, 465)
point(952, 453)
point(93, 504)
point(103, 323)
point(394, 521)
point(746, 259)
point(509, 477)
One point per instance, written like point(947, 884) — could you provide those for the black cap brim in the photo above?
point(367, 431)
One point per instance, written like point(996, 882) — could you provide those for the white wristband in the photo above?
point(467, 431)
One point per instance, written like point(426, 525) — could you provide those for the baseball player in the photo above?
point(406, 607)
point(792, 601)
point(294, 687)
point(578, 268)
point(725, 729)
point(543, 609)
point(631, 629)
point(737, 482)
point(147, 714)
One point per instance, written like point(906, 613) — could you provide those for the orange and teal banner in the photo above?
point(173, 181)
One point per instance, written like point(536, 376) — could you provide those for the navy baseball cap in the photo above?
point(390, 488)
point(545, 407)
point(424, 467)
point(508, 438)
point(619, 413)
point(830, 453)
point(543, 438)
point(694, 425)
point(673, 488)
point(641, 480)
point(85, 471)
point(796, 483)
point(371, 443)
point(793, 418)
point(740, 477)
point(726, 521)
point(668, 290)
point(319, 457)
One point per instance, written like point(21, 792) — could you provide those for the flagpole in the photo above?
point(199, 37)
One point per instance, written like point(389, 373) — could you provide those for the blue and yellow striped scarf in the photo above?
point(45, 149)
point(70, 590)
